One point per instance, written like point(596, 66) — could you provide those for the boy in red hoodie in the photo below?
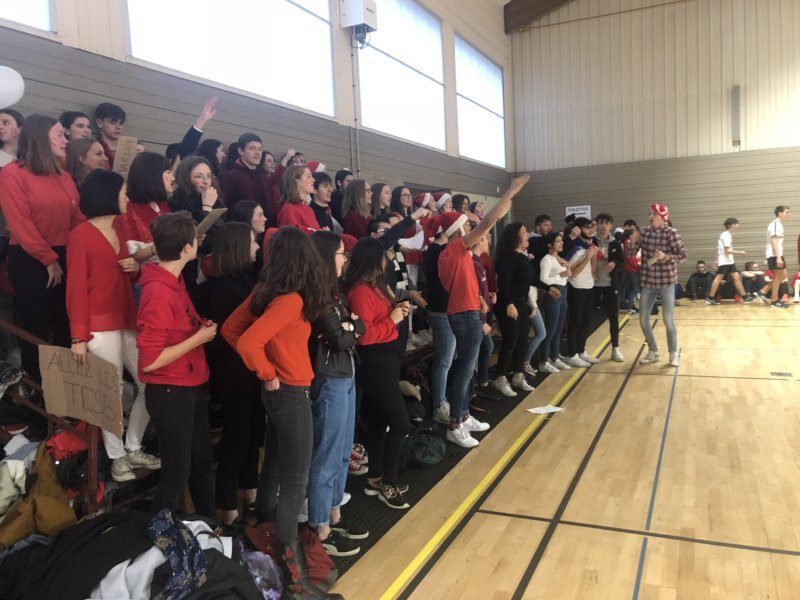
point(173, 366)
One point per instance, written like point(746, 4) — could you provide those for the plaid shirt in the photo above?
point(663, 273)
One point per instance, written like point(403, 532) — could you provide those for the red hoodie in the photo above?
point(166, 318)
point(242, 183)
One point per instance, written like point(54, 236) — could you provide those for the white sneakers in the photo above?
point(518, 381)
point(460, 437)
point(652, 356)
point(529, 369)
point(122, 467)
point(674, 360)
point(502, 386)
point(576, 361)
point(561, 365)
point(442, 414)
point(472, 424)
point(548, 367)
point(616, 355)
point(589, 359)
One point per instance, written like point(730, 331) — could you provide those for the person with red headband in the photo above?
point(662, 251)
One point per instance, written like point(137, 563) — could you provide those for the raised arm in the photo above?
point(498, 211)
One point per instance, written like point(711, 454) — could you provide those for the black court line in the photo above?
point(456, 531)
point(548, 534)
point(654, 534)
point(701, 376)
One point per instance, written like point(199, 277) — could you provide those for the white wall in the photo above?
point(605, 81)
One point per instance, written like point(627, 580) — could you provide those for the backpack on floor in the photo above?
point(422, 450)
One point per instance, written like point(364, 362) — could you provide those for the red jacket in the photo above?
point(355, 225)
point(242, 183)
point(374, 309)
point(40, 210)
point(99, 292)
point(298, 215)
point(166, 318)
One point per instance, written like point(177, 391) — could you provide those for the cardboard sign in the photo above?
point(579, 211)
point(91, 392)
point(210, 219)
point(126, 152)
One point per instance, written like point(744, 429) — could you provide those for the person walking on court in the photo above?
point(726, 264)
point(775, 260)
point(608, 263)
point(662, 251)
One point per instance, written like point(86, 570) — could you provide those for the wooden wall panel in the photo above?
point(625, 80)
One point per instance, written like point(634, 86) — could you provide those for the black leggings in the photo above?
point(287, 458)
point(243, 423)
point(38, 310)
point(180, 415)
point(378, 374)
point(579, 315)
point(607, 298)
point(515, 339)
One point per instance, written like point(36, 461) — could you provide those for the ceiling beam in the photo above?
point(519, 13)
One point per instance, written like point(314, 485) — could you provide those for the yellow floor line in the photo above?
point(405, 576)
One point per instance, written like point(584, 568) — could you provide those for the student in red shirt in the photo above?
point(149, 188)
point(173, 366)
point(356, 208)
point(457, 274)
point(270, 332)
point(298, 184)
point(40, 203)
point(101, 309)
point(378, 372)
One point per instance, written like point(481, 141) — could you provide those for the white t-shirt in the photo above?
point(775, 229)
point(583, 280)
point(550, 271)
point(725, 241)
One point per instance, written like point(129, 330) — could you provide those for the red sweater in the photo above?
point(298, 215)
point(242, 183)
point(373, 308)
point(99, 292)
point(355, 225)
point(134, 225)
point(167, 317)
point(274, 344)
point(40, 210)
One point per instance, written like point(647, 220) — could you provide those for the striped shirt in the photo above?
point(663, 273)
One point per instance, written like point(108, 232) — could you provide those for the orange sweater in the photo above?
point(274, 344)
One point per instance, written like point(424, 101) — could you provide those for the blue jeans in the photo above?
point(444, 347)
point(467, 328)
point(485, 353)
point(334, 409)
point(631, 288)
point(646, 302)
point(540, 333)
point(555, 312)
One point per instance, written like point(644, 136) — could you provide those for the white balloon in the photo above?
point(12, 87)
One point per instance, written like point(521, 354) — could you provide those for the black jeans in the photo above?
point(515, 339)
point(378, 374)
point(243, 423)
point(288, 444)
point(579, 316)
point(38, 310)
point(180, 415)
point(696, 290)
point(607, 298)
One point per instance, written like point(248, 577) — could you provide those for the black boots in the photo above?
point(297, 583)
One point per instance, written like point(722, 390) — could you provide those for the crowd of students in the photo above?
point(301, 295)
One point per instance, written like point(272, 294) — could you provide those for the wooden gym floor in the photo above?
point(654, 482)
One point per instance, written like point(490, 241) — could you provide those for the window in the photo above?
point(479, 92)
point(401, 75)
point(280, 49)
point(35, 13)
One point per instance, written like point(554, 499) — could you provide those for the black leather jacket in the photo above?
point(332, 345)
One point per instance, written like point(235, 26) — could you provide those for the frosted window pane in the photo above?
point(481, 134)
point(35, 13)
point(399, 101)
point(410, 34)
point(271, 33)
point(478, 78)
point(321, 8)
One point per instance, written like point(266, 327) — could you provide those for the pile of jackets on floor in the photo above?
point(136, 555)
